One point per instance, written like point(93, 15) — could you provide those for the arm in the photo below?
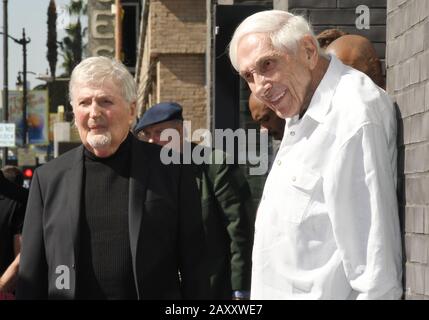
point(233, 195)
point(32, 279)
point(17, 239)
point(194, 275)
point(362, 204)
point(9, 277)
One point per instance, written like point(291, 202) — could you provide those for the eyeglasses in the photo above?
point(141, 135)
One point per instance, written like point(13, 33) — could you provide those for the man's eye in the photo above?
point(106, 101)
point(248, 76)
point(267, 64)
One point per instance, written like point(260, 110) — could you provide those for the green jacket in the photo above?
point(227, 217)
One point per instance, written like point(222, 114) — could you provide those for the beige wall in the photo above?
point(181, 79)
point(178, 26)
point(173, 64)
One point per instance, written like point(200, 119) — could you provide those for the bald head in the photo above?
point(359, 53)
point(326, 37)
point(266, 117)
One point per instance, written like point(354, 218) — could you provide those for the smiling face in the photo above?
point(103, 117)
point(282, 81)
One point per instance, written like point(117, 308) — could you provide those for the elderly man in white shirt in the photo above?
point(327, 226)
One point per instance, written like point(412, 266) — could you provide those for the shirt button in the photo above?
point(263, 197)
point(292, 133)
point(279, 162)
point(293, 178)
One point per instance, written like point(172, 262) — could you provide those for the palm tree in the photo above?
point(72, 44)
point(51, 43)
point(72, 47)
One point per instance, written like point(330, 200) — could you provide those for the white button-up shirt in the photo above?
point(327, 226)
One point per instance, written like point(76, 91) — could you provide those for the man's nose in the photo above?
point(95, 110)
point(262, 86)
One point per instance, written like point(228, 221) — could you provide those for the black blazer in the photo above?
point(165, 226)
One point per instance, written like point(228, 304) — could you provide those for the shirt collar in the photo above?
point(321, 101)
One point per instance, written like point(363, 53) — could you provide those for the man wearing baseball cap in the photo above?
point(226, 205)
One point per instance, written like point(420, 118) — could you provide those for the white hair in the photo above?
point(283, 28)
point(95, 70)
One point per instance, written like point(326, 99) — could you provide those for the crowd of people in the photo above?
point(110, 220)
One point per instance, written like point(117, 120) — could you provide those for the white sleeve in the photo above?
point(362, 204)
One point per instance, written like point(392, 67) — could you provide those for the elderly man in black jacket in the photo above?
point(108, 220)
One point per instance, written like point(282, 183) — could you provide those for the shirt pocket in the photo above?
point(300, 184)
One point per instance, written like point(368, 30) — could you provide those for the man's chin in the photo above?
point(286, 112)
point(280, 111)
point(281, 114)
point(99, 141)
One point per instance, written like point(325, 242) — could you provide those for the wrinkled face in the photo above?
point(279, 79)
point(152, 133)
point(268, 120)
point(103, 117)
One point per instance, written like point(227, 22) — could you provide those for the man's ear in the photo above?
point(133, 109)
point(133, 112)
point(308, 51)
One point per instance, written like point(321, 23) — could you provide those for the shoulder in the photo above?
point(142, 146)
point(6, 203)
point(358, 101)
point(147, 152)
point(216, 159)
point(149, 155)
point(358, 95)
point(62, 163)
point(222, 172)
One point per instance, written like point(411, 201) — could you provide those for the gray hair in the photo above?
point(95, 70)
point(283, 28)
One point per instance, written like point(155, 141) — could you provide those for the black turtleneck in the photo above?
point(104, 265)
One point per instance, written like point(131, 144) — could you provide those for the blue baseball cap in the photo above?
point(161, 112)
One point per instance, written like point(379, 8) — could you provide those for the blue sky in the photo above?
point(31, 15)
